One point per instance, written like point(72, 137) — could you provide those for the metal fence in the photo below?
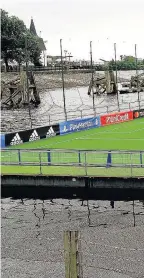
point(83, 112)
point(73, 162)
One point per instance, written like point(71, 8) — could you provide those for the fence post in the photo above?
point(109, 160)
point(19, 157)
point(119, 107)
point(73, 265)
point(85, 164)
point(40, 163)
point(141, 162)
point(131, 164)
point(94, 112)
point(79, 157)
point(49, 157)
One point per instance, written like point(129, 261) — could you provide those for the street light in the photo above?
point(69, 54)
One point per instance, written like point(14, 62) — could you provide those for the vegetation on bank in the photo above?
point(15, 39)
point(127, 63)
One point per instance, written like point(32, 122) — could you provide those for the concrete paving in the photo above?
point(32, 238)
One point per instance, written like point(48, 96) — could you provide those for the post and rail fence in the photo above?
point(73, 162)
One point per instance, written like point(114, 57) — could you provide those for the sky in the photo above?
point(77, 22)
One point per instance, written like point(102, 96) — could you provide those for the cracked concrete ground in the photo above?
point(32, 238)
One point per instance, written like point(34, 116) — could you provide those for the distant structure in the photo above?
point(41, 41)
point(56, 60)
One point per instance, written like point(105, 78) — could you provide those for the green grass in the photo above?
point(73, 171)
point(124, 136)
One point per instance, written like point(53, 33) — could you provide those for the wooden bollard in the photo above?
point(72, 258)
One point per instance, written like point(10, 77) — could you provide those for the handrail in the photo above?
point(43, 150)
point(96, 165)
point(83, 162)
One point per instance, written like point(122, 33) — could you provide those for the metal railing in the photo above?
point(82, 112)
point(73, 162)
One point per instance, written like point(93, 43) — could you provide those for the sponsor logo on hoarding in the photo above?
point(97, 122)
point(16, 140)
point(116, 118)
point(81, 124)
point(31, 135)
point(50, 132)
point(65, 129)
point(138, 114)
point(34, 136)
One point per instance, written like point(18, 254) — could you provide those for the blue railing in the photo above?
point(97, 163)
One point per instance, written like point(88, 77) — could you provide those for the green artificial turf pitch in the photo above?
point(123, 136)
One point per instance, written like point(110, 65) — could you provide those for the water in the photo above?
point(78, 104)
point(32, 237)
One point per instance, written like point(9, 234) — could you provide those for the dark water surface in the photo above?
point(32, 237)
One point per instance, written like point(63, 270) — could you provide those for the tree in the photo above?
point(12, 30)
point(13, 36)
point(30, 44)
point(33, 47)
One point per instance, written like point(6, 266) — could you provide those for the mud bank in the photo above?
point(46, 81)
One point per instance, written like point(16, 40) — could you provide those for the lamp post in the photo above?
point(69, 54)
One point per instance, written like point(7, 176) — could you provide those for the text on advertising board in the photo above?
point(79, 124)
point(16, 138)
point(118, 117)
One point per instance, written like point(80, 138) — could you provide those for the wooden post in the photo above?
point(11, 93)
point(67, 253)
point(72, 258)
point(107, 77)
point(23, 85)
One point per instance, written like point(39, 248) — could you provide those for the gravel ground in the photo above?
point(32, 238)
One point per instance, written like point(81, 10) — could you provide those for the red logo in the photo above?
point(118, 117)
point(136, 114)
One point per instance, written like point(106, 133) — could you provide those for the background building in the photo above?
point(41, 42)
